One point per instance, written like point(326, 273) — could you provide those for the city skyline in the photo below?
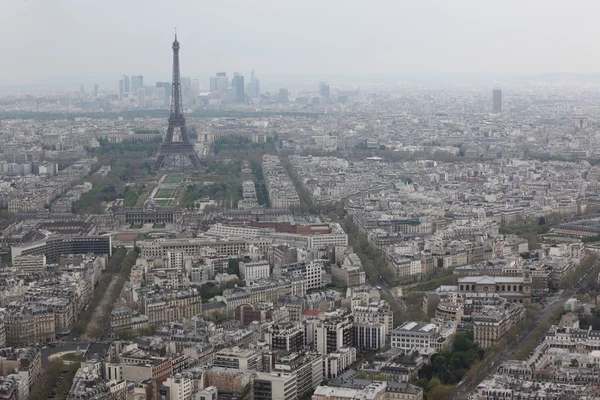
point(390, 39)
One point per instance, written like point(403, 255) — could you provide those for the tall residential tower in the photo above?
point(497, 101)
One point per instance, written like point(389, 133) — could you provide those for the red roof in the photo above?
point(312, 312)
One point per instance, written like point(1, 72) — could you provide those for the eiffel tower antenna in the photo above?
point(184, 148)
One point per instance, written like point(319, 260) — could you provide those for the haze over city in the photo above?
point(55, 41)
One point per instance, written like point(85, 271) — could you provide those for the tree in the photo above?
point(382, 147)
point(422, 383)
point(440, 363)
point(574, 363)
point(433, 383)
point(542, 220)
point(233, 266)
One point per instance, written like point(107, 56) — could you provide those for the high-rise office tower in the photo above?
point(283, 96)
point(137, 81)
point(121, 89)
point(254, 87)
point(186, 87)
point(81, 91)
point(222, 82)
point(195, 87)
point(95, 90)
point(126, 84)
point(141, 95)
point(324, 90)
point(497, 101)
point(160, 94)
point(168, 91)
point(213, 84)
point(238, 87)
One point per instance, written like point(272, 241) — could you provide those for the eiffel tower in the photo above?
point(183, 148)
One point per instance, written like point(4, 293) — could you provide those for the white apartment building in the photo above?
point(180, 387)
point(369, 335)
point(30, 263)
point(376, 313)
point(174, 259)
point(236, 231)
point(415, 267)
point(275, 385)
point(254, 271)
point(338, 362)
point(209, 393)
point(334, 239)
point(311, 271)
point(414, 335)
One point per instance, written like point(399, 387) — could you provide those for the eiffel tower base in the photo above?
point(168, 151)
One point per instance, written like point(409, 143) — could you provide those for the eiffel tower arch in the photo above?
point(183, 147)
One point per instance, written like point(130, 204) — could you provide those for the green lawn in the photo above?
point(162, 202)
point(173, 179)
point(72, 357)
point(164, 194)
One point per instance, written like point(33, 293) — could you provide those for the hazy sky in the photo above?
point(88, 38)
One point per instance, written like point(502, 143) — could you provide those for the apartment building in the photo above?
point(311, 271)
point(274, 385)
point(376, 312)
point(492, 323)
point(153, 249)
point(417, 335)
point(253, 271)
point(28, 264)
point(29, 324)
point(330, 332)
point(285, 336)
point(237, 358)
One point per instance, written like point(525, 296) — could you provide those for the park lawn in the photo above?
point(164, 194)
point(173, 179)
point(162, 202)
point(73, 357)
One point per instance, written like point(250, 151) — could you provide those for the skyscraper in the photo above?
point(96, 90)
point(168, 91)
point(324, 90)
point(195, 87)
point(186, 87)
point(213, 84)
point(238, 87)
point(137, 81)
point(126, 84)
point(254, 87)
point(141, 95)
point(82, 91)
point(219, 83)
point(160, 94)
point(283, 96)
point(497, 101)
point(121, 89)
